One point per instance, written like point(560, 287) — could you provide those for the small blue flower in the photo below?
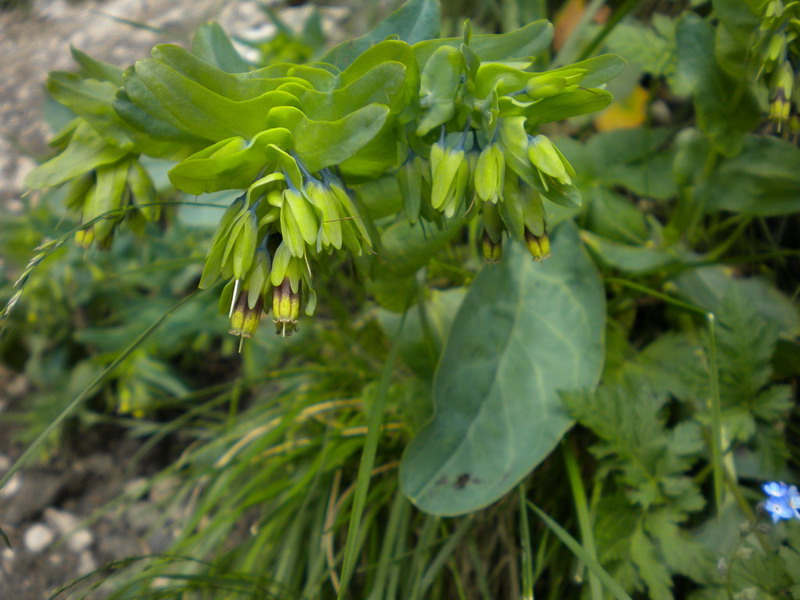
point(783, 501)
point(775, 488)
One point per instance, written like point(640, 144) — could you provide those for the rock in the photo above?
point(67, 524)
point(10, 488)
point(86, 563)
point(38, 537)
point(38, 489)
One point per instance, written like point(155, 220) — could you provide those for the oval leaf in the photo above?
point(525, 332)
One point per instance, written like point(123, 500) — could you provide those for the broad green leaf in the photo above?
point(527, 41)
point(97, 69)
point(525, 332)
point(91, 99)
point(230, 164)
point(86, 151)
point(626, 257)
point(212, 44)
point(382, 84)
point(321, 76)
point(414, 21)
point(439, 83)
point(763, 180)
point(321, 144)
point(558, 108)
point(235, 87)
point(204, 112)
point(139, 107)
point(726, 109)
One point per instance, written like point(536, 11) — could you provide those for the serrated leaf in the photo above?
point(524, 333)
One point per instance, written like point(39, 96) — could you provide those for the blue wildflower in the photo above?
point(783, 501)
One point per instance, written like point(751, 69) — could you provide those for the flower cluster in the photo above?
point(783, 501)
point(777, 49)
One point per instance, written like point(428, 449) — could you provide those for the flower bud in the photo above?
point(285, 308)
point(783, 84)
point(85, 237)
point(490, 173)
point(409, 179)
point(244, 319)
point(449, 174)
point(544, 155)
point(538, 245)
point(492, 251)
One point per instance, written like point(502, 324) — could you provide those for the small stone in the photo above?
point(10, 488)
point(86, 563)
point(80, 540)
point(38, 537)
point(8, 557)
point(63, 521)
point(67, 524)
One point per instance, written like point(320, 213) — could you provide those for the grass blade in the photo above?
point(72, 406)
point(366, 464)
point(579, 551)
point(582, 510)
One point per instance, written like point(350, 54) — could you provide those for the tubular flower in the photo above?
point(285, 308)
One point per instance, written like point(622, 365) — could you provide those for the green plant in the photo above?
point(660, 325)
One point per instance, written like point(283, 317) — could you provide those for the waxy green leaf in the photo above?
point(525, 332)
point(212, 44)
point(414, 21)
point(86, 151)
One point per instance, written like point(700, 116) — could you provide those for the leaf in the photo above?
point(203, 112)
point(726, 109)
point(97, 69)
point(92, 100)
point(229, 164)
point(86, 151)
point(414, 21)
point(525, 332)
point(626, 257)
point(559, 107)
point(321, 144)
point(212, 44)
point(530, 40)
point(763, 180)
